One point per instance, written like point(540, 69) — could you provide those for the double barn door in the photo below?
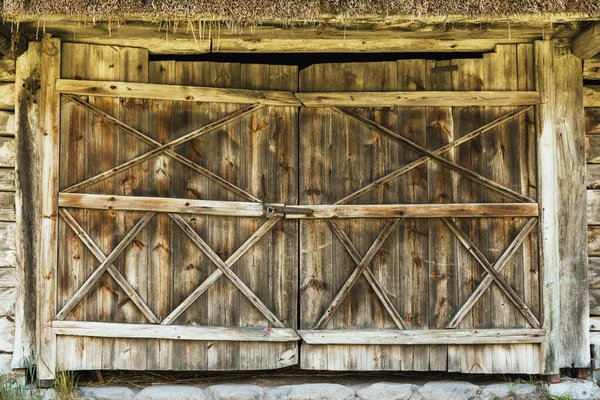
point(357, 216)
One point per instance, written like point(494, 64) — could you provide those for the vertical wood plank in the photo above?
point(28, 142)
point(548, 198)
point(443, 284)
point(50, 130)
point(569, 125)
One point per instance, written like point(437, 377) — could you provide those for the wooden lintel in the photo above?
point(587, 43)
point(250, 209)
point(413, 337)
point(176, 92)
point(418, 99)
point(175, 332)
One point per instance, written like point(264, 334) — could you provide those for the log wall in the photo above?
point(7, 213)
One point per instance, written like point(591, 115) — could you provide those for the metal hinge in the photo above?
point(279, 211)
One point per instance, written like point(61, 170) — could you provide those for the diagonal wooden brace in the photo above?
point(362, 265)
point(377, 288)
point(226, 270)
point(493, 273)
point(160, 148)
point(436, 155)
point(104, 265)
point(112, 270)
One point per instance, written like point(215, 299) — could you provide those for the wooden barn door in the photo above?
point(446, 277)
point(166, 260)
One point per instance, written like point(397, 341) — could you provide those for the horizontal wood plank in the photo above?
point(593, 207)
point(587, 44)
point(592, 176)
point(180, 332)
point(7, 70)
point(594, 272)
point(592, 149)
point(176, 93)
point(594, 324)
point(418, 99)
point(7, 123)
point(7, 96)
point(592, 121)
point(8, 277)
point(160, 204)
point(594, 295)
point(7, 152)
point(250, 209)
point(594, 240)
point(414, 337)
point(7, 301)
point(591, 96)
point(7, 334)
point(591, 69)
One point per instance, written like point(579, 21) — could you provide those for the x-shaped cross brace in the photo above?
point(164, 148)
point(435, 155)
point(112, 270)
point(106, 264)
point(224, 268)
point(361, 268)
point(493, 273)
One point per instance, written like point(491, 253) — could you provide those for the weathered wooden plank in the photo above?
point(7, 179)
point(8, 277)
point(418, 99)
point(591, 69)
point(571, 221)
point(417, 337)
point(593, 240)
point(594, 324)
point(587, 43)
point(247, 209)
point(594, 297)
point(7, 70)
point(592, 121)
point(7, 334)
point(592, 149)
point(7, 152)
point(25, 180)
point(178, 93)
point(593, 207)
point(592, 176)
point(548, 199)
point(591, 96)
point(7, 206)
point(8, 125)
point(7, 301)
point(180, 332)
point(594, 273)
point(50, 125)
point(7, 96)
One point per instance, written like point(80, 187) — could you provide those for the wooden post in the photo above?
point(573, 242)
point(27, 199)
point(548, 199)
point(49, 129)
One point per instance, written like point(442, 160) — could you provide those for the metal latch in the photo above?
point(279, 211)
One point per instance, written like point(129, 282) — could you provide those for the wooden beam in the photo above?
point(591, 96)
point(173, 332)
point(27, 180)
point(587, 44)
point(48, 251)
point(177, 93)
point(418, 99)
point(250, 209)
point(548, 197)
point(161, 204)
point(418, 337)
point(593, 207)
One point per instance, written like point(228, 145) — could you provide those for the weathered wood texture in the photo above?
point(28, 142)
point(162, 263)
point(420, 263)
point(591, 69)
point(587, 43)
point(572, 222)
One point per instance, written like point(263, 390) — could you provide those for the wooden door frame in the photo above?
point(52, 87)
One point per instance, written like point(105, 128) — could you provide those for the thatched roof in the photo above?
point(256, 10)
